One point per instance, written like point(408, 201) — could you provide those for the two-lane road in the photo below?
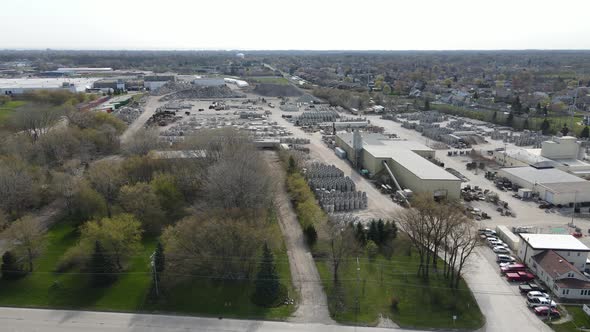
point(38, 320)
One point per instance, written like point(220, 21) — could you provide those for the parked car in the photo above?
point(513, 268)
point(524, 288)
point(539, 302)
point(501, 250)
point(543, 310)
point(537, 287)
point(502, 258)
point(520, 276)
point(533, 294)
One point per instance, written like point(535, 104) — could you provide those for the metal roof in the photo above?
point(46, 83)
point(411, 161)
point(568, 187)
point(543, 176)
point(553, 241)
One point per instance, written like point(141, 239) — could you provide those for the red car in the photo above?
point(519, 276)
point(544, 310)
point(512, 268)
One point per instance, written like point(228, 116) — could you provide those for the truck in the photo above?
point(520, 276)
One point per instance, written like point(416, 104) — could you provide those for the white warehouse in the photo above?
point(406, 160)
point(551, 184)
point(15, 86)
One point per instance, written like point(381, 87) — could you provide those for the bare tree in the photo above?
point(239, 180)
point(19, 187)
point(36, 119)
point(106, 176)
point(144, 141)
point(343, 244)
point(428, 224)
point(461, 242)
point(27, 234)
point(65, 185)
point(220, 246)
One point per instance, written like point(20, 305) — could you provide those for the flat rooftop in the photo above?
point(553, 242)
point(543, 176)
point(373, 139)
point(419, 166)
point(46, 83)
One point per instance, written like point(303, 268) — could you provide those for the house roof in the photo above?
point(572, 283)
point(553, 264)
point(553, 242)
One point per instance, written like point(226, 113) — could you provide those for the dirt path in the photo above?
point(313, 303)
point(150, 108)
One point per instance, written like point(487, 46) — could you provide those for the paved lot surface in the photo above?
point(313, 304)
point(36, 320)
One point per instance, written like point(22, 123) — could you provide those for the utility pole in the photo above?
point(154, 272)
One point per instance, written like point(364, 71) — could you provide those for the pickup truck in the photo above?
point(520, 276)
point(512, 268)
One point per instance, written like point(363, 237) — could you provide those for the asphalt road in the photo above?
point(39, 320)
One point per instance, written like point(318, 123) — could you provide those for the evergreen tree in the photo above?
point(494, 117)
point(545, 127)
point(267, 283)
point(426, 105)
point(373, 234)
point(390, 231)
point(565, 130)
point(159, 258)
point(545, 111)
point(585, 132)
point(538, 107)
point(510, 119)
point(516, 105)
point(10, 268)
point(525, 125)
point(291, 168)
point(360, 234)
point(380, 233)
point(311, 236)
point(101, 267)
point(475, 95)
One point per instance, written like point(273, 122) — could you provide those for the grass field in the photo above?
point(421, 304)
point(46, 288)
point(580, 320)
point(7, 109)
point(270, 80)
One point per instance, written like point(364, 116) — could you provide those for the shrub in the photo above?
point(394, 303)
point(311, 236)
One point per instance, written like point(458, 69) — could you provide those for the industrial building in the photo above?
point(14, 86)
point(405, 162)
point(564, 153)
point(550, 184)
point(558, 260)
point(157, 81)
point(209, 81)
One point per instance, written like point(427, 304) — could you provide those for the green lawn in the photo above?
point(46, 288)
point(7, 109)
point(223, 298)
point(270, 80)
point(580, 320)
point(421, 304)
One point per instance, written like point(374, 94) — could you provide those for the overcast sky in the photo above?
point(296, 24)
